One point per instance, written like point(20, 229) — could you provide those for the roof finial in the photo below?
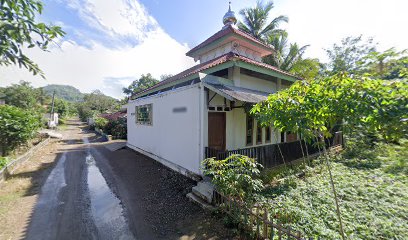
point(229, 17)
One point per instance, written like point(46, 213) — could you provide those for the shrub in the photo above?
point(101, 123)
point(3, 162)
point(16, 127)
point(116, 128)
point(236, 176)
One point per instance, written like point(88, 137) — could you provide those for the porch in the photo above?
point(272, 155)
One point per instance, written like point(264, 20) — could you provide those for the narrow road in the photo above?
point(94, 192)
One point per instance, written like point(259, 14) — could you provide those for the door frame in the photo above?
point(224, 122)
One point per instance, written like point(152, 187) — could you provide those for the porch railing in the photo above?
point(276, 154)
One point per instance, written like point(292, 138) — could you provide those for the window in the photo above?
point(268, 134)
point(249, 129)
point(288, 137)
point(291, 137)
point(144, 114)
point(258, 133)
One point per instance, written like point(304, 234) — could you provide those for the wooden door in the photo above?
point(216, 130)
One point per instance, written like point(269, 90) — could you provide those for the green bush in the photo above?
point(3, 162)
point(17, 126)
point(101, 123)
point(116, 128)
point(371, 184)
point(236, 176)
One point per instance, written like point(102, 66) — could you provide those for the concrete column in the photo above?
point(279, 85)
point(236, 76)
point(230, 73)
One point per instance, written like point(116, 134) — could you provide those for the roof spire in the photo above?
point(229, 17)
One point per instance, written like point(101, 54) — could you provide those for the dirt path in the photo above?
point(79, 189)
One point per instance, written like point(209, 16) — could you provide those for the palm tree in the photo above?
point(285, 56)
point(288, 57)
point(255, 20)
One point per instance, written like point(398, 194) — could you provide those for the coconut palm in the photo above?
point(286, 55)
point(255, 21)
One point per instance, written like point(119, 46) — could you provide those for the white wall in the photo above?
point(236, 131)
point(230, 47)
point(257, 84)
point(173, 137)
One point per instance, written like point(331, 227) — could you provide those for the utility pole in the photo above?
point(52, 107)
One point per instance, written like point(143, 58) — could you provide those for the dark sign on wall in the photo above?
point(180, 109)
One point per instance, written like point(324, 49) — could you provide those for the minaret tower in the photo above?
point(229, 17)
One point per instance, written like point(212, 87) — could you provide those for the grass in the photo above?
point(372, 187)
point(3, 162)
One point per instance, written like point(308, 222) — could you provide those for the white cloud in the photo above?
point(96, 66)
point(321, 23)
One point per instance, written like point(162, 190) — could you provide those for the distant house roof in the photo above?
point(113, 116)
point(212, 63)
point(224, 32)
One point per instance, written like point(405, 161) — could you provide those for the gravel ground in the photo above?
point(152, 197)
point(158, 194)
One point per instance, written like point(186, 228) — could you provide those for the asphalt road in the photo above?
point(95, 193)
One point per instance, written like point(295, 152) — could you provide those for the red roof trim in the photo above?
point(214, 62)
point(223, 32)
point(200, 67)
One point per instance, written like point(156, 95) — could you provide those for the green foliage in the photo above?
point(236, 176)
point(313, 108)
point(389, 64)
point(307, 68)
point(64, 92)
point(63, 108)
point(287, 55)
point(3, 162)
point(255, 21)
point(349, 55)
point(144, 82)
point(99, 102)
point(22, 95)
point(116, 128)
point(95, 103)
point(18, 27)
point(16, 127)
point(101, 122)
point(372, 187)
point(85, 112)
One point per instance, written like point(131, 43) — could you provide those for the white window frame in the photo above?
point(147, 120)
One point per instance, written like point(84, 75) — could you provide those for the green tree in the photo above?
point(99, 102)
point(85, 112)
point(62, 107)
point(235, 176)
point(16, 127)
point(349, 55)
point(308, 68)
point(313, 108)
point(389, 64)
point(255, 21)
point(95, 103)
point(22, 95)
point(19, 29)
point(289, 57)
point(144, 82)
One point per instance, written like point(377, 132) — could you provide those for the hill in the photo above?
point(66, 92)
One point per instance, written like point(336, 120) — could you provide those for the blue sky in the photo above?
point(110, 43)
